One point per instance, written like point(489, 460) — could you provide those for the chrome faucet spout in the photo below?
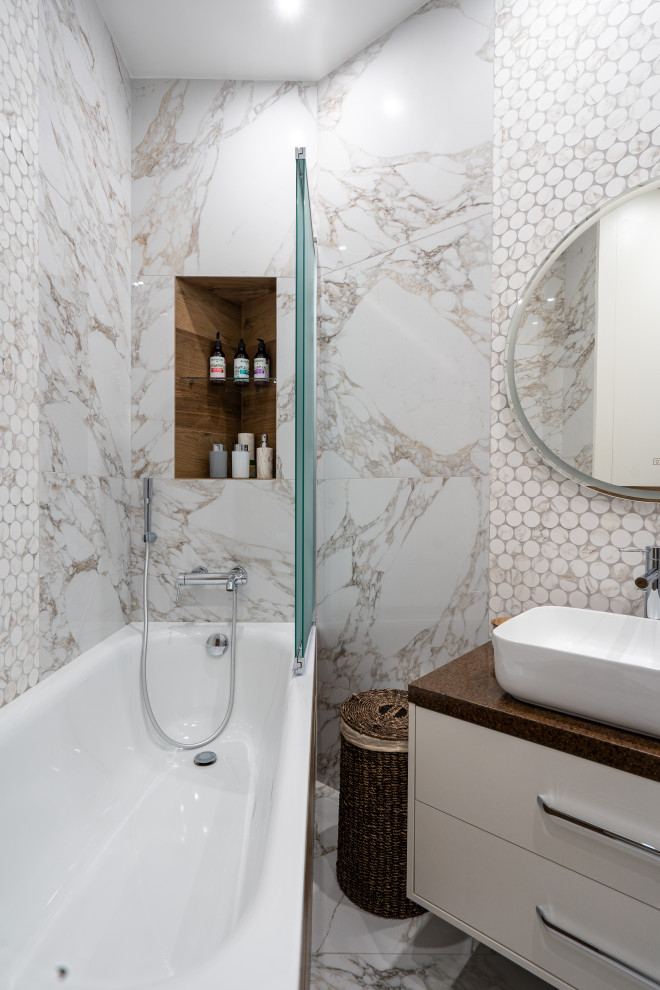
point(649, 581)
point(649, 578)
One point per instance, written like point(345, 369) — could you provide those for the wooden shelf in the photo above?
point(234, 307)
point(228, 382)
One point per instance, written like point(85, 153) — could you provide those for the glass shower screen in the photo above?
point(305, 409)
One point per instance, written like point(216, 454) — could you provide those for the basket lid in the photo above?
point(380, 714)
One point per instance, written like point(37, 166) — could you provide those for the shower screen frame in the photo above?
point(305, 411)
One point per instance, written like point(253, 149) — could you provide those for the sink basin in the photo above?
point(598, 665)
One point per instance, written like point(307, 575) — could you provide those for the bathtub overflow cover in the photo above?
point(206, 758)
point(217, 644)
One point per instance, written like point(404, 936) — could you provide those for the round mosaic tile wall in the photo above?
point(577, 121)
point(19, 440)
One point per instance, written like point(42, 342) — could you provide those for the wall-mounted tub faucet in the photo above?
point(232, 579)
point(649, 581)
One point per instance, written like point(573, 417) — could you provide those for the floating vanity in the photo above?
point(536, 832)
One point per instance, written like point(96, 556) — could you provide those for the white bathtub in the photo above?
point(124, 865)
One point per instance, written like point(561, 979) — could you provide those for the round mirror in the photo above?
point(583, 352)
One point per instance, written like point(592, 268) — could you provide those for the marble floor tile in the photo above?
point(339, 926)
point(351, 948)
point(482, 970)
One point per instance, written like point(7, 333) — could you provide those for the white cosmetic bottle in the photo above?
point(240, 461)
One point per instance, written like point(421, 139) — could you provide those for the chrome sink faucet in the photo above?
point(649, 581)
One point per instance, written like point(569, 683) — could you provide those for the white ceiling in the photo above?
point(246, 39)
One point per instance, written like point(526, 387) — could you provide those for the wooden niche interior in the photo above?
point(207, 412)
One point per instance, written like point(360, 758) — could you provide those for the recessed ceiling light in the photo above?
point(289, 8)
point(342, 247)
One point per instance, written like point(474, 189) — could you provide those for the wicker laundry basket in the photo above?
point(373, 797)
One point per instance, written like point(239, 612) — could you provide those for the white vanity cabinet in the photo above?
point(516, 843)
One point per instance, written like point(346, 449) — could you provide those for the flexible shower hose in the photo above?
point(143, 669)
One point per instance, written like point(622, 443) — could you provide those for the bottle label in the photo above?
point(261, 369)
point(241, 369)
point(218, 367)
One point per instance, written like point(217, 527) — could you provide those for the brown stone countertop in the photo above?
point(466, 688)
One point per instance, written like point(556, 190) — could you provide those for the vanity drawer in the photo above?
point(493, 781)
point(494, 887)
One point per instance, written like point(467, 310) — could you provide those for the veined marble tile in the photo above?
point(339, 926)
point(85, 365)
point(19, 579)
point(214, 175)
point(401, 586)
point(152, 376)
point(350, 971)
point(85, 590)
point(84, 118)
point(404, 360)
point(19, 349)
point(481, 970)
point(217, 524)
point(405, 132)
point(286, 378)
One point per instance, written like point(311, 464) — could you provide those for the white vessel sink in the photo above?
point(601, 666)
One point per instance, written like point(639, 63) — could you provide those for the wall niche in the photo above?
point(208, 412)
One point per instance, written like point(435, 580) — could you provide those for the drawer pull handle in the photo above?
point(598, 829)
point(601, 954)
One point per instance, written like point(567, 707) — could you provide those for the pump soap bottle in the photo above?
point(218, 364)
point(241, 364)
point(264, 460)
point(261, 363)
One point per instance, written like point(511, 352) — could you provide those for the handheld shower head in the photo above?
point(147, 495)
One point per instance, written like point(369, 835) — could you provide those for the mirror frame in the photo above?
point(547, 455)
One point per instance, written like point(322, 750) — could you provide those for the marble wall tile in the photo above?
point(404, 360)
point(84, 332)
point(405, 133)
point(84, 251)
point(85, 588)
point(85, 373)
point(401, 586)
point(85, 118)
point(19, 349)
point(564, 144)
point(404, 192)
point(213, 175)
point(286, 379)
point(217, 523)
point(152, 376)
